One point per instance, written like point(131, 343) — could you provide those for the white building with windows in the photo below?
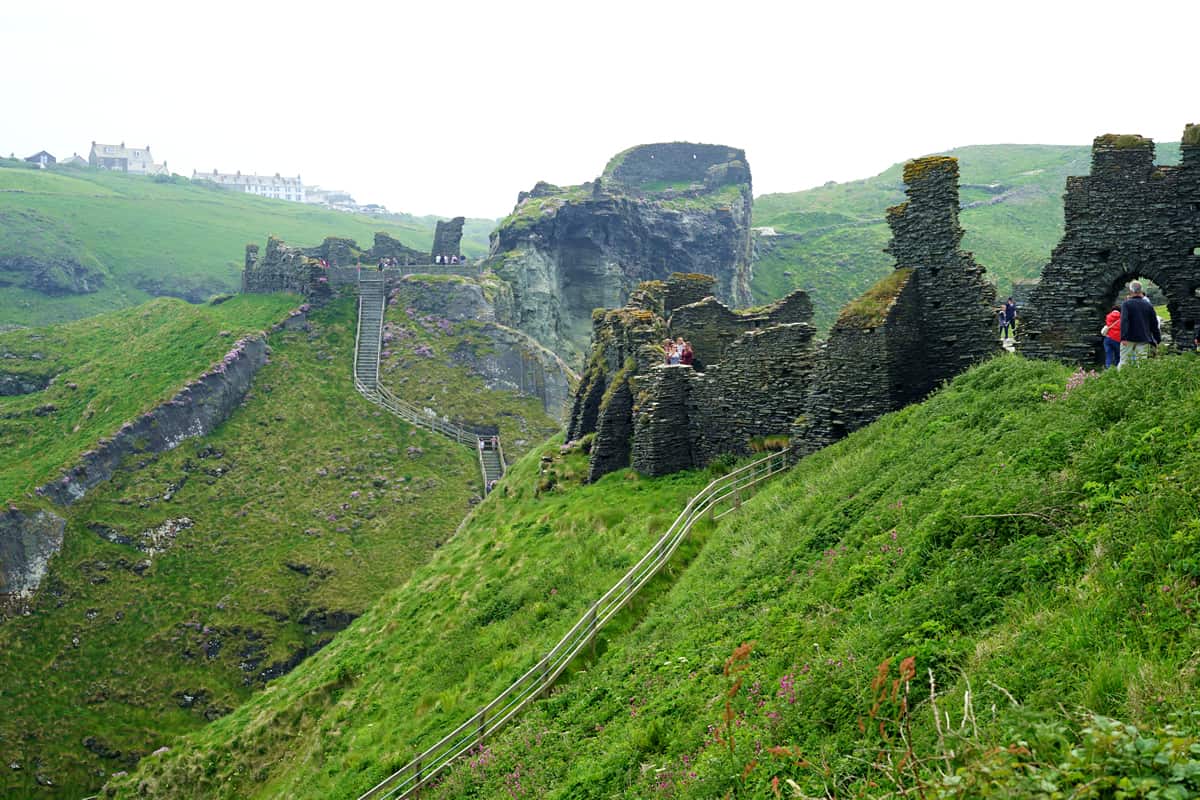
point(274, 186)
point(136, 160)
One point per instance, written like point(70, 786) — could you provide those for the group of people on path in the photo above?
point(452, 259)
point(1131, 330)
point(677, 352)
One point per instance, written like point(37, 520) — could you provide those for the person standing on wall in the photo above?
point(1112, 338)
point(1139, 326)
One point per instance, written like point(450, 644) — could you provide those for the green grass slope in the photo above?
point(145, 236)
point(526, 564)
point(1012, 214)
point(192, 577)
point(107, 370)
point(1032, 550)
point(418, 364)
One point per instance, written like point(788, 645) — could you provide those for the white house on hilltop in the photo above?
point(275, 186)
point(125, 159)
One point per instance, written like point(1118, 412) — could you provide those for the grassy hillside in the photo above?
point(136, 237)
point(835, 234)
point(526, 564)
point(1027, 541)
point(107, 370)
point(418, 365)
point(193, 577)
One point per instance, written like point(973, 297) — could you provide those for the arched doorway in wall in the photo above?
point(1165, 306)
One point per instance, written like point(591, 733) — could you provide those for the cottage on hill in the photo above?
point(41, 158)
point(125, 159)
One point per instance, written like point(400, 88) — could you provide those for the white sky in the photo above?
point(453, 107)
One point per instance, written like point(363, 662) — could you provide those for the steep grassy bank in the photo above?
point(106, 371)
point(419, 364)
point(1035, 556)
point(122, 239)
point(192, 578)
point(517, 575)
point(1012, 214)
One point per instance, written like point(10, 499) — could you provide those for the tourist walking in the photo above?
point(1010, 318)
point(1112, 338)
point(1139, 326)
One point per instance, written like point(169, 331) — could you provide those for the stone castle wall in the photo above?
point(662, 418)
point(1129, 218)
point(447, 238)
point(929, 320)
point(762, 374)
point(285, 268)
point(711, 327)
point(688, 417)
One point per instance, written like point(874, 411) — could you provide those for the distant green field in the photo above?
point(140, 237)
point(1012, 216)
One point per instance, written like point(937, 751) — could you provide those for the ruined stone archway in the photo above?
point(1128, 218)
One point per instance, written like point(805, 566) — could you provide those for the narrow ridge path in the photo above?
point(372, 296)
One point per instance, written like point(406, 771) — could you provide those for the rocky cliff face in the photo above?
point(657, 209)
point(514, 361)
point(27, 541)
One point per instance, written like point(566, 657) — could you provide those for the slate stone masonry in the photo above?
point(929, 320)
point(1129, 218)
point(761, 374)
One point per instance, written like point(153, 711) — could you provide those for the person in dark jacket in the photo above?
point(1010, 318)
point(1139, 326)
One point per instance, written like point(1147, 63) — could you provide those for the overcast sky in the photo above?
point(453, 107)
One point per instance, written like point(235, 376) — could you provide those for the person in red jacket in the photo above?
point(1112, 337)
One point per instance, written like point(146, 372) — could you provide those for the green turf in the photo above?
point(1027, 537)
point(305, 506)
point(526, 564)
point(145, 236)
point(107, 370)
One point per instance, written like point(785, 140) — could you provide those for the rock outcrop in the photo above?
point(27, 541)
point(197, 409)
point(664, 418)
point(513, 360)
point(1128, 219)
point(657, 209)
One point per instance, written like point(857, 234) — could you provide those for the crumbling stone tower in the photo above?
point(1129, 218)
point(924, 323)
point(447, 238)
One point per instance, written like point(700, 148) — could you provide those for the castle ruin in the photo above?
point(762, 374)
point(1128, 219)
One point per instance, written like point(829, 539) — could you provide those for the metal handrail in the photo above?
point(381, 396)
point(426, 766)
